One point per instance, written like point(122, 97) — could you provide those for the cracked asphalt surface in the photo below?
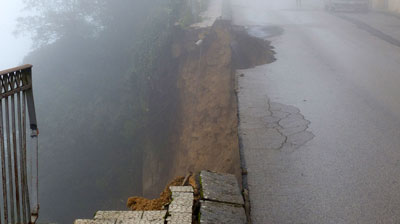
point(320, 127)
point(274, 126)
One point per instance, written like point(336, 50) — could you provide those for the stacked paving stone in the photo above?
point(126, 217)
point(221, 201)
point(181, 207)
point(179, 212)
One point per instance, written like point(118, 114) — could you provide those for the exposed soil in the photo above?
point(209, 135)
point(205, 134)
point(250, 51)
point(144, 204)
point(208, 123)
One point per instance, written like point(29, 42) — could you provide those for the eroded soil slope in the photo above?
point(208, 128)
point(209, 124)
point(205, 132)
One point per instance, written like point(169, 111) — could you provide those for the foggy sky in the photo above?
point(12, 49)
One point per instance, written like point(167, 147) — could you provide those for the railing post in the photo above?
point(3, 164)
point(34, 154)
point(20, 200)
point(30, 101)
point(9, 153)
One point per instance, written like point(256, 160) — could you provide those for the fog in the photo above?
point(93, 64)
point(340, 68)
point(103, 101)
point(13, 49)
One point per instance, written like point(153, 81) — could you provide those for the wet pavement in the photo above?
point(338, 85)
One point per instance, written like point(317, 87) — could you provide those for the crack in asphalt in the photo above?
point(289, 123)
point(276, 126)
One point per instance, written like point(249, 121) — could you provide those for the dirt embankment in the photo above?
point(208, 128)
point(209, 124)
point(205, 132)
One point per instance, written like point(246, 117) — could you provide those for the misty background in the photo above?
point(94, 73)
point(12, 48)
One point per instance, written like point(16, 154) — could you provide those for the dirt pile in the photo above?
point(144, 204)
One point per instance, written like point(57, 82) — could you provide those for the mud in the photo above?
point(249, 49)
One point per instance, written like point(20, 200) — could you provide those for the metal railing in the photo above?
point(19, 166)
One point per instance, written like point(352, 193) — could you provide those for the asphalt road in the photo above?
point(342, 72)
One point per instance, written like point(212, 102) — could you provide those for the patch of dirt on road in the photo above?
point(249, 51)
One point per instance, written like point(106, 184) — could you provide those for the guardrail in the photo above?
point(19, 167)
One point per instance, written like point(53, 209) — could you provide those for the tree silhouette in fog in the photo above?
point(94, 65)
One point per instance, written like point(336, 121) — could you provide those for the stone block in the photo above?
point(91, 221)
point(182, 195)
point(220, 187)
point(180, 208)
point(154, 216)
point(181, 189)
point(179, 218)
point(215, 212)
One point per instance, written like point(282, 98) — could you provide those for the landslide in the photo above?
point(208, 138)
point(209, 124)
point(202, 120)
